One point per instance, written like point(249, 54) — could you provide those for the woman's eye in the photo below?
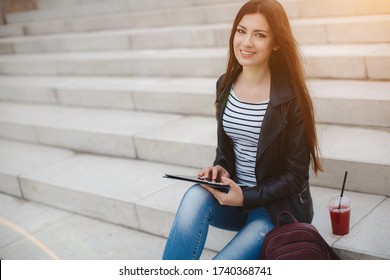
point(240, 31)
point(260, 35)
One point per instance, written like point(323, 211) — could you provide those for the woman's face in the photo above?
point(253, 41)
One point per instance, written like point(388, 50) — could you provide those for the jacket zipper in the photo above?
point(301, 192)
point(299, 197)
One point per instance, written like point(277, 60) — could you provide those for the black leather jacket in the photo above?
point(283, 157)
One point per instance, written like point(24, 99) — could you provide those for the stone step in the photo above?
point(118, 202)
point(17, 158)
point(70, 10)
point(133, 194)
point(342, 30)
point(307, 8)
point(336, 101)
point(220, 12)
point(188, 141)
point(135, 4)
point(353, 61)
point(51, 4)
point(362, 151)
point(343, 101)
point(32, 231)
point(88, 8)
point(9, 30)
point(89, 130)
point(134, 19)
point(335, 8)
point(307, 31)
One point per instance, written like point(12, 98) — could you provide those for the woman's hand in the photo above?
point(234, 197)
point(217, 173)
point(213, 173)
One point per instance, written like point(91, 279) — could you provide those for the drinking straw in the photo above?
point(342, 189)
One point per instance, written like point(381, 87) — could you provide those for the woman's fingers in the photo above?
point(216, 173)
point(233, 198)
point(213, 173)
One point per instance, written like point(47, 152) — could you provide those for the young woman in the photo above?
point(266, 138)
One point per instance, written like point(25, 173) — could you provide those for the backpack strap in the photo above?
point(331, 252)
point(288, 214)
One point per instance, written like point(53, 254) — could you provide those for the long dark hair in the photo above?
point(285, 62)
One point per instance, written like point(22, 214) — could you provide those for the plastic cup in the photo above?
point(340, 213)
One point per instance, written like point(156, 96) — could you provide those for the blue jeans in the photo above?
point(199, 209)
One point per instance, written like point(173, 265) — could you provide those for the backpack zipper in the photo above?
point(290, 249)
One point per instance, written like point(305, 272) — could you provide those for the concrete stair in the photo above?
point(192, 96)
point(92, 17)
point(177, 140)
point(322, 61)
point(75, 9)
point(132, 193)
point(24, 237)
point(307, 31)
point(90, 121)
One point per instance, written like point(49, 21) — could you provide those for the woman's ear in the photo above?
point(276, 48)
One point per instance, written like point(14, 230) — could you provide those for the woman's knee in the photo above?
point(197, 195)
point(195, 201)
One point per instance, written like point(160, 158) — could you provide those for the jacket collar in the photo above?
point(274, 122)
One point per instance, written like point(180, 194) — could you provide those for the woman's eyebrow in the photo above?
point(256, 30)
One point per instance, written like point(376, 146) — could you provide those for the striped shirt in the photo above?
point(242, 123)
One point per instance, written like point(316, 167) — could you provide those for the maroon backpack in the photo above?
point(296, 241)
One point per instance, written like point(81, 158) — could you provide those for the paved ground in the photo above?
point(31, 231)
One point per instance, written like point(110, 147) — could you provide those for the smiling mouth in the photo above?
point(246, 53)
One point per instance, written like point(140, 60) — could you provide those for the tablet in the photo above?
point(219, 186)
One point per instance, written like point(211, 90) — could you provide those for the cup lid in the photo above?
point(339, 202)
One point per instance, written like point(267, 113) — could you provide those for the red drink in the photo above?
point(340, 213)
point(340, 219)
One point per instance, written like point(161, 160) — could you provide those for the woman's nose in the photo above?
point(248, 40)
